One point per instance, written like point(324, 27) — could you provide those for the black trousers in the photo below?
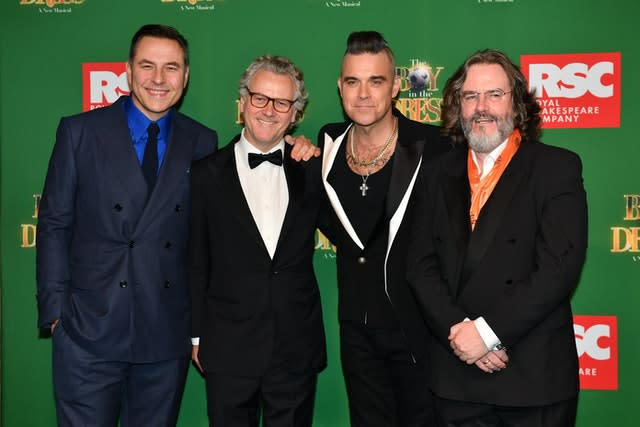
point(385, 386)
point(453, 413)
point(281, 398)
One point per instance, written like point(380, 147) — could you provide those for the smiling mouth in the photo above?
point(483, 119)
point(157, 92)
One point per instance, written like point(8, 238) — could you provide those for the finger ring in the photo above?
point(486, 362)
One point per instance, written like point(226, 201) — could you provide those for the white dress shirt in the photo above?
point(265, 189)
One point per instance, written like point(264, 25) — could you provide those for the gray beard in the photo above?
point(483, 143)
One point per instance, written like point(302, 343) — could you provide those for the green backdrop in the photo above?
point(45, 43)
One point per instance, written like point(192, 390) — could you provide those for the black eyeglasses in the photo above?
point(259, 100)
point(492, 96)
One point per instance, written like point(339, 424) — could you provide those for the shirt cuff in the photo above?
point(490, 339)
point(195, 340)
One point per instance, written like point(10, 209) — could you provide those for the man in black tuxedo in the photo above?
point(112, 231)
point(497, 254)
point(370, 165)
point(257, 318)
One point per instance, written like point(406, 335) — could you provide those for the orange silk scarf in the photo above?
point(481, 189)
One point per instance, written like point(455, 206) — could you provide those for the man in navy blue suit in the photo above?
point(111, 245)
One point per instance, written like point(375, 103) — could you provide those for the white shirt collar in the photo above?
point(490, 159)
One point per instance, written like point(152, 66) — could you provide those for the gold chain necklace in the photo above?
point(364, 163)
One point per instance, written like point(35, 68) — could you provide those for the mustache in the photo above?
point(478, 116)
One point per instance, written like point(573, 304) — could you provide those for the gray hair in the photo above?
point(277, 65)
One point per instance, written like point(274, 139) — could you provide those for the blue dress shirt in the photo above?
point(138, 124)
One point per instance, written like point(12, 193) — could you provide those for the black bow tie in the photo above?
point(274, 157)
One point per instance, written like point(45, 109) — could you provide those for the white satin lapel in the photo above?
point(331, 150)
point(396, 220)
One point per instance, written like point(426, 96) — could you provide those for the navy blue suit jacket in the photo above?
point(110, 264)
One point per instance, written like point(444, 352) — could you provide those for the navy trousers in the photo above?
point(90, 391)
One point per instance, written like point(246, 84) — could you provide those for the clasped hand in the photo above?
point(469, 347)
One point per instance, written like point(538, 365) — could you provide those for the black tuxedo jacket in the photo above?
point(110, 264)
point(417, 145)
point(517, 269)
point(248, 308)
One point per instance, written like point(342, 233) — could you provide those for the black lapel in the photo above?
point(405, 160)
point(494, 211)
point(295, 173)
point(457, 199)
point(232, 196)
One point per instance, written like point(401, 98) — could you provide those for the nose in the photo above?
point(481, 103)
point(157, 76)
point(363, 91)
point(269, 109)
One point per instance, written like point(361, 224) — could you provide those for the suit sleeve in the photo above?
point(425, 274)
point(55, 222)
point(199, 250)
point(561, 244)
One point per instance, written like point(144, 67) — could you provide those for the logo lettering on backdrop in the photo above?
point(576, 90)
point(52, 6)
point(324, 246)
point(193, 5)
point(597, 344)
point(28, 231)
point(420, 96)
point(495, 1)
point(50, 3)
point(627, 239)
point(103, 83)
point(342, 3)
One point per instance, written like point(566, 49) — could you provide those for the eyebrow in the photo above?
point(148, 61)
point(482, 91)
point(374, 77)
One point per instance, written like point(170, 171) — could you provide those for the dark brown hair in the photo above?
point(526, 111)
point(162, 32)
point(360, 42)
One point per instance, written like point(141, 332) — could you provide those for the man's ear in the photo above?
point(396, 86)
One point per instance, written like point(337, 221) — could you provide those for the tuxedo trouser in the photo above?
point(281, 398)
point(453, 413)
point(385, 386)
point(90, 391)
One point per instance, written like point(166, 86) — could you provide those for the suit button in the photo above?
point(178, 208)
point(123, 283)
point(167, 284)
point(509, 282)
point(118, 207)
point(362, 260)
point(132, 244)
point(275, 272)
point(167, 245)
